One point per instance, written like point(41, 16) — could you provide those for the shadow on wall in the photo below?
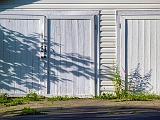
point(21, 68)
point(19, 61)
point(139, 82)
point(9, 4)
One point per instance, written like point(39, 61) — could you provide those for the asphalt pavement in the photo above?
point(92, 113)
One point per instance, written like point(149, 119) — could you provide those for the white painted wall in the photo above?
point(108, 24)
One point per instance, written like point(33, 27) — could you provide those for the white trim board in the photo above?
point(21, 17)
point(137, 12)
point(49, 13)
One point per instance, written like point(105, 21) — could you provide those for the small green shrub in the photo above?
point(8, 101)
point(4, 95)
point(4, 98)
point(141, 97)
point(153, 96)
point(60, 98)
point(16, 101)
point(107, 96)
point(33, 97)
point(138, 97)
point(118, 84)
point(129, 97)
point(30, 111)
point(3, 101)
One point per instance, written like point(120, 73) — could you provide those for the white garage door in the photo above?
point(71, 59)
point(140, 48)
point(65, 68)
point(20, 66)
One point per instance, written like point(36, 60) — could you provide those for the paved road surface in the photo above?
point(93, 113)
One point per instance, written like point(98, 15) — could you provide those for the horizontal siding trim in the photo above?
point(108, 28)
point(108, 56)
point(104, 72)
point(108, 44)
point(108, 50)
point(108, 34)
point(108, 12)
point(108, 17)
point(107, 80)
point(107, 88)
point(98, 1)
point(105, 39)
point(111, 61)
point(107, 83)
point(107, 66)
point(108, 23)
point(84, 6)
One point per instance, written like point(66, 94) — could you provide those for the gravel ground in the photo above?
point(87, 109)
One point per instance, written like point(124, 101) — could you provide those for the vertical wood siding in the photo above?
point(143, 54)
point(71, 60)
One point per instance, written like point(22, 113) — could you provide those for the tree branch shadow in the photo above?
point(138, 82)
point(21, 70)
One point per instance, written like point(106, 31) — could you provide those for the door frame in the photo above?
point(122, 54)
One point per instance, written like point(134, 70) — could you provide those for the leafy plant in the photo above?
point(106, 96)
point(129, 97)
point(141, 97)
point(16, 101)
point(33, 97)
point(118, 84)
point(124, 95)
point(4, 98)
point(60, 98)
point(30, 111)
point(8, 101)
point(4, 95)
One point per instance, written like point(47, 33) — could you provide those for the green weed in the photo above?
point(60, 98)
point(30, 111)
point(34, 97)
point(4, 98)
point(141, 97)
point(15, 101)
point(118, 84)
point(107, 96)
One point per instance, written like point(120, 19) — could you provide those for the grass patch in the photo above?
point(8, 101)
point(107, 96)
point(4, 98)
point(34, 97)
point(16, 101)
point(142, 97)
point(60, 98)
point(30, 111)
point(129, 97)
